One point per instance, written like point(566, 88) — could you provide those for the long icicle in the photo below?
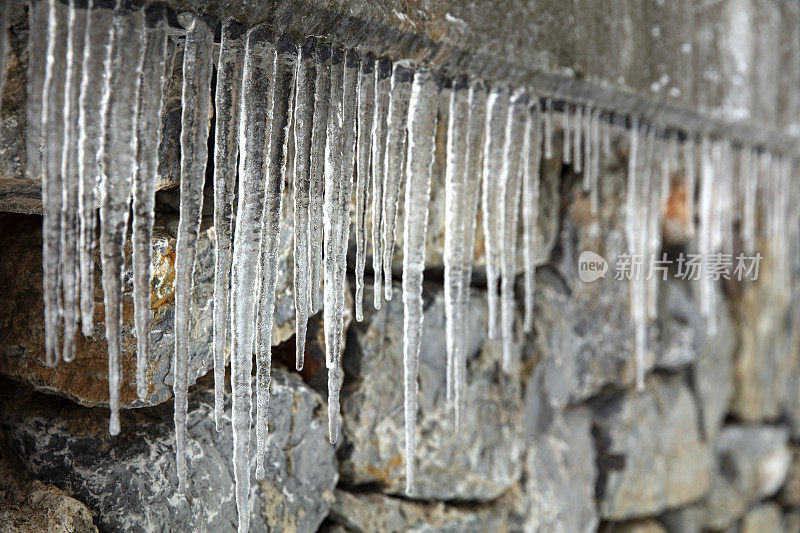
point(421, 132)
point(144, 183)
point(254, 119)
point(366, 105)
point(279, 122)
point(76, 30)
point(455, 190)
point(38, 16)
point(93, 81)
point(322, 91)
point(226, 150)
point(52, 124)
point(118, 156)
point(383, 81)
point(473, 171)
point(497, 111)
point(303, 124)
point(510, 187)
point(530, 209)
point(3, 43)
point(395, 159)
point(577, 133)
point(195, 122)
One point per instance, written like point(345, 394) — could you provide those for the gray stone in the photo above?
point(765, 517)
point(130, 483)
point(480, 462)
point(635, 526)
point(651, 453)
point(378, 512)
point(684, 520)
point(751, 464)
point(560, 474)
point(789, 494)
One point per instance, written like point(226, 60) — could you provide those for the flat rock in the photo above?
point(480, 462)
point(85, 380)
point(761, 518)
point(129, 481)
point(560, 476)
point(368, 512)
point(751, 464)
point(651, 453)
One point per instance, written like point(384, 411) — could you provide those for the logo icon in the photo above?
point(591, 266)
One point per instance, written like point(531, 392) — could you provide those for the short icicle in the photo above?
point(366, 105)
point(496, 115)
point(118, 157)
point(548, 128)
point(226, 150)
point(510, 189)
point(303, 122)
point(421, 130)
point(280, 120)
point(394, 180)
point(144, 183)
point(383, 81)
point(195, 122)
point(254, 119)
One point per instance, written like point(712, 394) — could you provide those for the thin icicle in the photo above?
point(52, 128)
point(530, 210)
point(606, 129)
point(322, 91)
point(594, 138)
point(303, 122)
point(689, 182)
point(749, 201)
point(510, 185)
point(658, 172)
point(332, 220)
point(454, 236)
point(383, 81)
point(366, 105)
point(3, 44)
point(548, 128)
point(421, 132)
point(93, 81)
point(394, 180)
point(576, 139)
point(279, 122)
point(195, 121)
point(497, 111)
point(566, 122)
point(76, 29)
point(476, 123)
point(587, 150)
point(705, 231)
point(38, 14)
point(144, 183)
point(254, 120)
point(118, 156)
point(226, 150)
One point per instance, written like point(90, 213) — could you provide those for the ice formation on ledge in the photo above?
point(364, 132)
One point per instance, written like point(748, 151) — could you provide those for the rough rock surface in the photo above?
point(651, 453)
point(85, 380)
point(449, 466)
point(751, 463)
point(130, 483)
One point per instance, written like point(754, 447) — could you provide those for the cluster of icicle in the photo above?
point(358, 122)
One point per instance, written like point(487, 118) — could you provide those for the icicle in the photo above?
point(510, 184)
point(606, 128)
point(93, 82)
point(304, 115)
point(76, 29)
point(226, 150)
point(588, 141)
point(279, 122)
point(497, 111)
point(383, 80)
point(530, 210)
point(322, 91)
point(395, 151)
point(576, 140)
point(658, 177)
point(454, 236)
point(38, 39)
point(421, 132)
point(195, 121)
point(118, 156)
point(144, 184)
point(566, 122)
point(705, 231)
point(52, 125)
point(749, 202)
point(595, 161)
point(476, 121)
point(366, 105)
point(254, 119)
point(689, 182)
point(548, 129)
point(4, 44)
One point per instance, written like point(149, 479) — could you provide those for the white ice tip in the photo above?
point(113, 425)
point(259, 473)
